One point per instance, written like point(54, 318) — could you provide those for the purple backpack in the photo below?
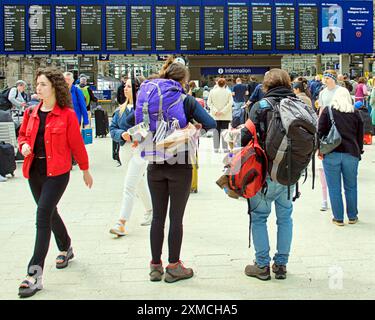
point(158, 100)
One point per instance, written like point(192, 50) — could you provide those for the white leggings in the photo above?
point(135, 182)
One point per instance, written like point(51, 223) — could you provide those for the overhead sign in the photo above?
point(233, 70)
point(185, 26)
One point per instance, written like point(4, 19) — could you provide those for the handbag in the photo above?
point(333, 139)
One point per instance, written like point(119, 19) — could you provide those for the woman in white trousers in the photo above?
point(135, 182)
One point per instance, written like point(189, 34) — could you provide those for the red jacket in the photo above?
point(62, 138)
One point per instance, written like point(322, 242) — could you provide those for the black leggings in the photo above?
point(168, 182)
point(47, 192)
point(220, 126)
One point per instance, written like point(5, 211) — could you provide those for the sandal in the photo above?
point(65, 259)
point(28, 288)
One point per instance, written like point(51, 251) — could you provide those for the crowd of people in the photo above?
point(150, 111)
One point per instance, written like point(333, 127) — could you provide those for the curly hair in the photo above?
point(62, 92)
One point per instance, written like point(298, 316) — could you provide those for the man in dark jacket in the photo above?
point(120, 90)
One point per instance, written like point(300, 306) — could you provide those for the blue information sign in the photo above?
point(105, 27)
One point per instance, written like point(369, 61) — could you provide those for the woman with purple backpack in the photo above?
point(169, 180)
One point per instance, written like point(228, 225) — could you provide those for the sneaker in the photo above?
point(147, 218)
point(262, 273)
point(339, 223)
point(177, 272)
point(353, 221)
point(216, 150)
point(3, 179)
point(156, 271)
point(279, 271)
point(118, 229)
point(324, 207)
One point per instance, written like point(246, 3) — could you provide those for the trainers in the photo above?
point(324, 207)
point(177, 272)
point(147, 218)
point(262, 273)
point(339, 223)
point(3, 179)
point(279, 271)
point(156, 271)
point(353, 221)
point(118, 229)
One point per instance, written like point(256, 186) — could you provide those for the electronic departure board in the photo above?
point(116, 28)
point(308, 28)
point(66, 28)
point(141, 28)
point(165, 28)
point(238, 28)
point(14, 28)
point(91, 28)
point(262, 27)
point(190, 28)
point(285, 28)
point(214, 28)
point(40, 28)
point(107, 27)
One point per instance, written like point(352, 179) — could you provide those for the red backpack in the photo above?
point(248, 168)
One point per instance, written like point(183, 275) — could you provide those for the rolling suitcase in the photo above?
point(7, 159)
point(101, 123)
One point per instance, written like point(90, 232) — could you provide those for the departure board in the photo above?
point(262, 27)
point(190, 28)
point(141, 28)
point(285, 28)
point(116, 28)
point(308, 28)
point(66, 28)
point(238, 28)
point(91, 28)
point(165, 23)
point(40, 28)
point(214, 28)
point(14, 28)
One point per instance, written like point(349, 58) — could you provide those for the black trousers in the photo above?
point(220, 126)
point(47, 192)
point(168, 183)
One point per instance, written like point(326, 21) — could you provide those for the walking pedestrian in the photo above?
point(48, 136)
point(135, 182)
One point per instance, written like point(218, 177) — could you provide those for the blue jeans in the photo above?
point(260, 206)
point(337, 165)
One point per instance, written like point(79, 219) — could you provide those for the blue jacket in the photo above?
point(120, 124)
point(79, 105)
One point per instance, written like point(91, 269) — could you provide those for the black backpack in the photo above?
point(5, 104)
point(290, 140)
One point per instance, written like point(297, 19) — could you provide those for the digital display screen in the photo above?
point(14, 28)
point(214, 28)
point(91, 28)
point(308, 28)
point(116, 28)
point(238, 28)
point(262, 28)
point(66, 28)
point(141, 28)
point(285, 28)
point(40, 28)
point(165, 22)
point(190, 28)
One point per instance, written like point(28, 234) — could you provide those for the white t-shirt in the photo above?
point(326, 96)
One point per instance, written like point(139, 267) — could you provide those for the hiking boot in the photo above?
point(177, 272)
point(156, 271)
point(118, 229)
point(339, 223)
point(262, 273)
point(279, 271)
point(147, 218)
point(353, 221)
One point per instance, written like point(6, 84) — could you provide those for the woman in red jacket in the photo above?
point(49, 134)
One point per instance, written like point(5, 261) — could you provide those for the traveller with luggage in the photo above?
point(49, 135)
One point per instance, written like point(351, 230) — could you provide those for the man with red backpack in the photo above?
point(286, 130)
